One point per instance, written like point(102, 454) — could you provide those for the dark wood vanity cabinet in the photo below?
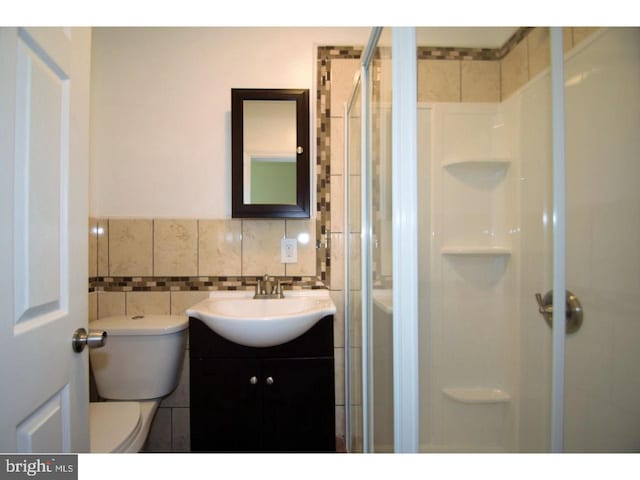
point(273, 399)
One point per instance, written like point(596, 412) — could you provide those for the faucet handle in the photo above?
point(258, 284)
point(279, 290)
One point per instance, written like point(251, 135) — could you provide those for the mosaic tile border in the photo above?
point(455, 53)
point(180, 284)
point(323, 124)
point(515, 39)
point(468, 53)
point(323, 153)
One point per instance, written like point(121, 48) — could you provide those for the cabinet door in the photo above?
point(225, 405)
point(299, 408)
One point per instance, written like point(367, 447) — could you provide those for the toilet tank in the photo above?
point(142, 357)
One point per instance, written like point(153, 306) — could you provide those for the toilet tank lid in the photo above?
point(140, 324)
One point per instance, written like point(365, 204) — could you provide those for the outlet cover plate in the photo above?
point(289, 250)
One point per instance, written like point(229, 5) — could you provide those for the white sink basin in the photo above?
point(240, 318)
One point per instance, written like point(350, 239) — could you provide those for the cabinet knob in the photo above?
point(269, 380)
point(253, 380)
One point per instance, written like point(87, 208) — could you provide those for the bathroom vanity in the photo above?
point(262, 399)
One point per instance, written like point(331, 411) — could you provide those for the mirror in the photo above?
point(270, 153)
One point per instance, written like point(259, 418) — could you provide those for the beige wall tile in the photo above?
point(340, 429)
point(261, 247)
point(342, 75)
point(355, 146)
point(337, 146)
point(438, 80)
point(355, 260)
point(93, 247)
point(175, 248)
point(580, 33)
point(515, 70)
point(219, 247)
point(337, 261)
point(480, 81)
point(302, 230)
point(355, 209)
point(337, 203)
point(93, 306)
point(384, 70)
point(130, 247)
point(180, 396)
point(381, 70)
point(180, 430)
point(539, 55)
point(159, 439)
point(180, 301)
point(355, 305)
point(567, 38)
point(103, 247)
point(338, 361)
point(141, 303)
point(338, 319)
point(356, 372)
point(111, 303)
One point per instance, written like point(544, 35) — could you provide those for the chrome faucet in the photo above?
point(266, 289)
point(267, 286)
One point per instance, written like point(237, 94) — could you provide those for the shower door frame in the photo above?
point(405, 244)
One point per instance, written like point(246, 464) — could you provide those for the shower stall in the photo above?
point(467, 194)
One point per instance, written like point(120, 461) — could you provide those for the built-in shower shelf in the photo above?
point(490, 251)
point(488, 163)
point(477, 395)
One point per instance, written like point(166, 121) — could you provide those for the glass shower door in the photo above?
point(492, 375)
point(602, 373)
point(380, 186)
point(353, 263)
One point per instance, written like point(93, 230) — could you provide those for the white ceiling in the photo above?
point(478, 37)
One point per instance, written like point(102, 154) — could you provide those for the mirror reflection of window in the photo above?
point(269, 152)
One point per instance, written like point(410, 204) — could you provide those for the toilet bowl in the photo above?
point(139, 364)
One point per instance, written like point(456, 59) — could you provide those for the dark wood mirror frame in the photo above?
point(239, 209)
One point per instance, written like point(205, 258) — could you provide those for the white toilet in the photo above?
point(139, 364)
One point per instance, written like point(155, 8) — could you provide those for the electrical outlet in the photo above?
point(289, 250)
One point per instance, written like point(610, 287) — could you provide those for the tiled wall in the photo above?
point(163, 266)
point(336, 69)
point(530, 56)
point(197, 248)
point(488, 75)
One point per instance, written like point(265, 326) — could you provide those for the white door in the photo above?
point(44, 117)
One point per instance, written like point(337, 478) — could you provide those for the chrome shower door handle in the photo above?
point(573, 310)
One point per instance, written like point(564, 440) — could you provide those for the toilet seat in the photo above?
point(113, 425)
point(118, 427)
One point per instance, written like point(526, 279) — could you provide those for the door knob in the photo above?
point(253, 380)
point(83, 339)
point(573, 310)
point(269, 380)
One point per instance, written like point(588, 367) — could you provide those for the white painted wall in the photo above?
point(160, 121)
